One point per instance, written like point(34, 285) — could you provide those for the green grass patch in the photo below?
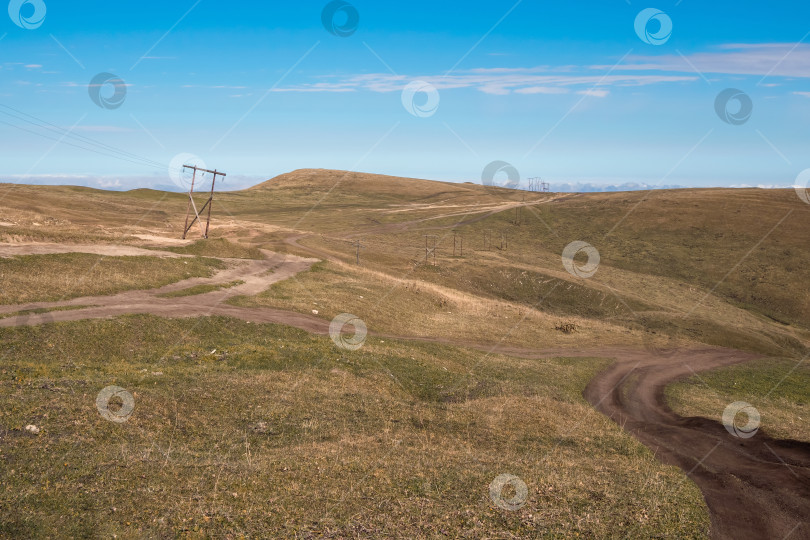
point(59, 236)
point(201, 289)
point(699, 329)
point(531, 288)
point(217, 247)
point(40, 311)
point(777, 388)
point(45, 278)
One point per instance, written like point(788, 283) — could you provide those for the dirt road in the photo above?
point(256, 276)
point(754, 488)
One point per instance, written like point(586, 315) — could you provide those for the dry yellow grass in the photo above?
point(277, 433)
point(280, 434)
point(403, 307)
point(37, 278)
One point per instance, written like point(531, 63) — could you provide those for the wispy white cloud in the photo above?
point(73, 84)
point(595, 92)
point(787, 60)
point(505, 70)
point(541, 90)
point(214, 87)
point(804, 94)
point(765, 59)
point(500, 81)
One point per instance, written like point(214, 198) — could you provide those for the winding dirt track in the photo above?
point(257, 275)
point(754, 488)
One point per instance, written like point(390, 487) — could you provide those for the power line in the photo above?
point(79, 141)
point(67, 133)
point(76, 145)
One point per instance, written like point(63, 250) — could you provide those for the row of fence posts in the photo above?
point(431, 246)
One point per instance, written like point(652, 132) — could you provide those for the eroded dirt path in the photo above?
point(256, 276)
point(108, 250)
point(754, 488)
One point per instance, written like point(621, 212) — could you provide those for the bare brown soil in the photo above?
point(754, 488)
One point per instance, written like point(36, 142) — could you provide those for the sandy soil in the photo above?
point(42, 248)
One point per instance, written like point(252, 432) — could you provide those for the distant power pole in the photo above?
point(193, 205)
point(458, 240)
point(430, 250)
point(487, 239)
point(358, 245)
point(538, 184)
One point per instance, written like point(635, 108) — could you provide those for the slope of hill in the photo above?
point(472, 367)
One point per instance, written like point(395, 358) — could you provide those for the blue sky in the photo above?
point(563, 90)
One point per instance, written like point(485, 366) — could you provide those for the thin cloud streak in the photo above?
point(732, 59)
point(792, 60)
point(491, 82)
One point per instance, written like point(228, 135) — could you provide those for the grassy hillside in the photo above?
point(399, 438)
point(715, 266)
point(723, 267)
point(267, 431)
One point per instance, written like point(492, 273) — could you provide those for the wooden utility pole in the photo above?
point(518, 214)
point(504, 241)
point(192, 205)
point(430, 250)
point(538, 184)
point(358, 245)
point(458, 240)
point(487, 239)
